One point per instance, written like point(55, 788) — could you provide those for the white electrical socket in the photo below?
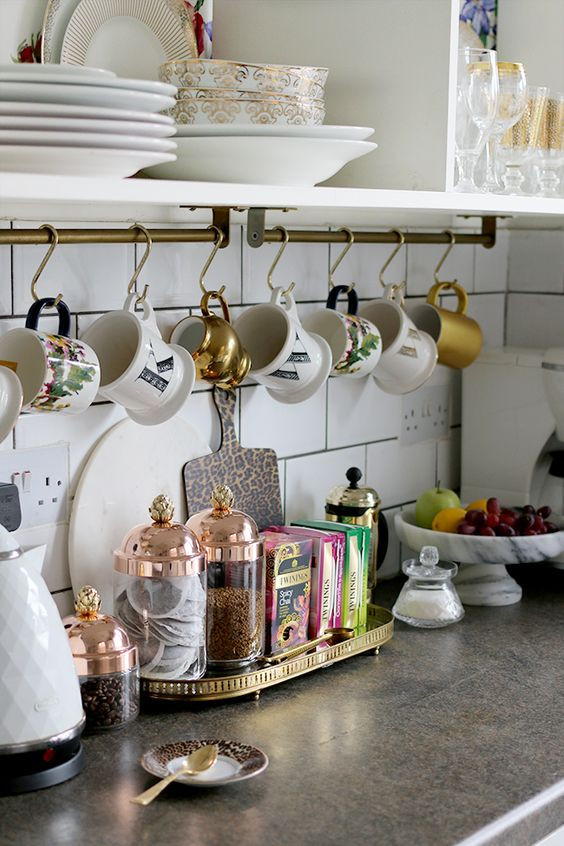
point(42, 478)
point(425, 414)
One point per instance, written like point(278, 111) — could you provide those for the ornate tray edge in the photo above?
point(248, 684)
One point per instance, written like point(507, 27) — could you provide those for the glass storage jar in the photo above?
point(428, 599)
point(106, 663)
point(236, 581)
point(160, 595)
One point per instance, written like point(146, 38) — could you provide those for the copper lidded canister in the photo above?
point(160, 595)
point(236, 581)
point(360, 507)
point(106, 662)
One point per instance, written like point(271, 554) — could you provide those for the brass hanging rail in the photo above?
point(193, 236)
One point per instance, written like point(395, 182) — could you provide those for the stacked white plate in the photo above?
point(80, 121)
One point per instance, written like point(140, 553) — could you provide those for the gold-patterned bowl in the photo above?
point(238, 94)
point(251, 110)
point(220, 73)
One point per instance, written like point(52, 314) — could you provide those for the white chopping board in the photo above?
point(128, 467)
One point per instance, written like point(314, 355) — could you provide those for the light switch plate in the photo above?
point(42, 477)
point(425, 414)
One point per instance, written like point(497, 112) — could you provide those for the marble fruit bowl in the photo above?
point(482, 576)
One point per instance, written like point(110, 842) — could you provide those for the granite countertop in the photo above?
point(424, 745)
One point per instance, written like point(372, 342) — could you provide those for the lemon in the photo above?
point(448, 519)
point(479, 505)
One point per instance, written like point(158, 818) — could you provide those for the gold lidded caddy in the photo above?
point(236, 581)
point(106, 662)
point(160, 595)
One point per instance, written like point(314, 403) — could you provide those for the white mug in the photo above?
point(289, 361)
point(409, 355)
point(150, 378)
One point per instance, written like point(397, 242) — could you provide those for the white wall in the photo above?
point(346, 423)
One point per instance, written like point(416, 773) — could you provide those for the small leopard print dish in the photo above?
point(235, 762)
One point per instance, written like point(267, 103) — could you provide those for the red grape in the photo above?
point(538, 523)
point(465, 528)
point(493, 520)
point(550, 527)
point(509, 518)
point(493, 505)
point(525, 521)
point(544, 511)
point(529, 509)
point(529, 533)
point(476, 517)
point(504, 530)
point(487, 532)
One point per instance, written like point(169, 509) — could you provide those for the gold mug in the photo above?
point(213, 344)
point(458, 337)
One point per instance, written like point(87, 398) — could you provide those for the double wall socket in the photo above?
point(425, 414)
point(42, 478)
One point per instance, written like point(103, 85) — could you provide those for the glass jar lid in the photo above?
point(161, 549)
point(427, 567)
point(225, 533)
point(351, 495)
point(99, 643)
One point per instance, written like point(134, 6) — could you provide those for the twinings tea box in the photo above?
point(323, 612)
point(288, 588)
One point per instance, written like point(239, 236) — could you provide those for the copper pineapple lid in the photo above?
point(161, 549)
point(98, 642)
point(225, 533)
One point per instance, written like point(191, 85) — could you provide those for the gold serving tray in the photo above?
point(253, 680)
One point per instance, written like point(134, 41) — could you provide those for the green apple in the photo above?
point(430, 502)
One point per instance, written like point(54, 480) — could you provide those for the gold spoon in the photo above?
point(198, 761)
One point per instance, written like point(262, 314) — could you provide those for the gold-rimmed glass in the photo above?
point(550, 145)
point(512, 101)
point(476, 107)
point(518, 144)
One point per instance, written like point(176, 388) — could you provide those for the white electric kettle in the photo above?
point(41, 716)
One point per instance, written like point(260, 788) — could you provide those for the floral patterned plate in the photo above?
point(235, 762)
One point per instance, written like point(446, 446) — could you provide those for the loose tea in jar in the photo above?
point(106, 663)
point(236, 581)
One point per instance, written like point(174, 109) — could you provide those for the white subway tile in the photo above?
point(362, 264)
point(309, 480)
point(359, 412)
point(391, 565)
point(167, 320)
point(305, 264)
point(448, 460)
point(5, 275)
point(399, 474)
point(489, 311)
point(200, 411)
point(56, 566)
point(491, 266)
point(422, 260)
point(91, 277)
point(536, 261)
point(535, 320)
point(64, 600)
point(288, 429)
point(173, 271)
point(80, 431)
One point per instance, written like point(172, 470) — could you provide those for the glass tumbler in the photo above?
point(518, 144)
point(550, 145)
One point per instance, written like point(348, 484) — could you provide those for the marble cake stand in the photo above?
point(482, 576)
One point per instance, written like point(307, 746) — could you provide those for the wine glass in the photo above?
point(476, 107)
point(550, 145)
point(511, 104)
point(518, 144)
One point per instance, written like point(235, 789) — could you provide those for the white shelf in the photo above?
point(43, 198)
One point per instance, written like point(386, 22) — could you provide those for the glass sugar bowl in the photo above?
point(428, 599)
point(160, 595)
point(236, 581)
point(106, 663)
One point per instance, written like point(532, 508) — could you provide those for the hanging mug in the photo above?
point(213, 344)
point(355, 342)
point(57, 373)
point(457, 336)
point(408, 355)
point(150, 378)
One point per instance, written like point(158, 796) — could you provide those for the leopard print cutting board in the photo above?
point(252, 474)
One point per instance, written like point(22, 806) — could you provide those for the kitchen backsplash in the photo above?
point(346, 423)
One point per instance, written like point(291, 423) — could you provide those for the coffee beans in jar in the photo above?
point(110, 701)
point(106, 663)
point(235, 624)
